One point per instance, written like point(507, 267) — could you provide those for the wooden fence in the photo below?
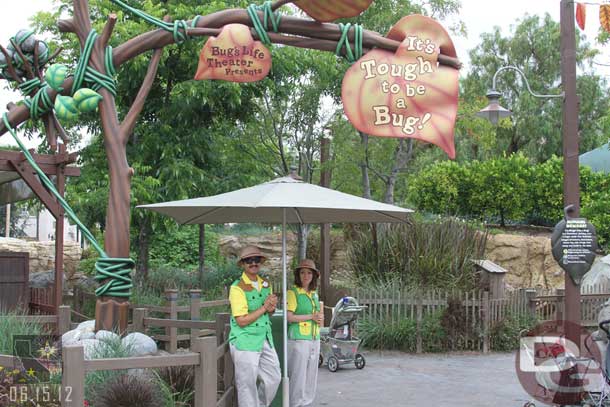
point(60, 323)
point(210, 356)
point(478, 312)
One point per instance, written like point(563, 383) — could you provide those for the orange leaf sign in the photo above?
point(406, 93)
point(234, 56)
point(581, 15)
point(604, 16)
point(325, 10)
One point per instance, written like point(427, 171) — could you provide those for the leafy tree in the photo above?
point(500, 188)
point(533, 46)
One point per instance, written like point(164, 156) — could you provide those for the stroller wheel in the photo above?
point(359, 361)
point(320, 361)
point(333, 364)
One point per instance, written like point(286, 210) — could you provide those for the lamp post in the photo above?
point(571, 177)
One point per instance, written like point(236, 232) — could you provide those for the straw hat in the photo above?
point(251, 251)
point(307, 264)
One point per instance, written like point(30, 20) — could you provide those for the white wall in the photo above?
point(46, 227)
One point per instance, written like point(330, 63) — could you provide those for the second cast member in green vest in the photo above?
point(305, 318)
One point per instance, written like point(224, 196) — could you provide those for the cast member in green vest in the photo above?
point(305, 319)
point(251, 343)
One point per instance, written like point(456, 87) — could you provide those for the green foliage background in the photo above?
point(509, 189)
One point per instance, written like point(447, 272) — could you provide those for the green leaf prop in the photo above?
point(65, 108)
point(55, 76)
point(87, 99)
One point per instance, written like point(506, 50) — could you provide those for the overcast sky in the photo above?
point(479, 17)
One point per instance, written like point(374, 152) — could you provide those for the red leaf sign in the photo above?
point(325, 10)
point(581, 15)
point(406, 94)
point(234, 56)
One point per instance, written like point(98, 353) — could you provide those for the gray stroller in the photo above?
point(338, 343)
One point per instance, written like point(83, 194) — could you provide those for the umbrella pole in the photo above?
point(285, 381)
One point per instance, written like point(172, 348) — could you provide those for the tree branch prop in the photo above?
point(303, 33)
point(136, 108)
point(10, 67)
point(279, 3)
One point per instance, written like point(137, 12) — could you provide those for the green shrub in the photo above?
point(500, 188)
point(505, 334)
point(402, 335)
point(509, 189)
point(11, 324)
point(178, 248)
point(442, 188)
point(417, 254)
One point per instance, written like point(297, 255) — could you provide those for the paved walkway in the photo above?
point(393, 379)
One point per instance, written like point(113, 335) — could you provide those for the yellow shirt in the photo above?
point(237, 297)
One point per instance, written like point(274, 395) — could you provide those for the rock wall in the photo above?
point(528, 259)
point(271, 246)
point(42, 254)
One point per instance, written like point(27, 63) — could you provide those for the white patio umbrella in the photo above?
point(283, 200)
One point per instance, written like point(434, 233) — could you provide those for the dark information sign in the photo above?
point(574, 243)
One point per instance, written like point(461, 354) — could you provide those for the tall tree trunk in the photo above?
point(402, 157)
point(201, 255)
point(364, 166)
point(143, 250)
point(303, 233)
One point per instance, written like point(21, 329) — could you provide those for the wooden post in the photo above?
point(73, 376)
point(222, 319)
point(558, 304)
point(64, 319)
point(59, 234)
point(420, 310)
point(205, 372)
point(138, 319)
point(195, 297)
point(228, 376)
point(530, 295)
point(171, 295)
point(485, 316)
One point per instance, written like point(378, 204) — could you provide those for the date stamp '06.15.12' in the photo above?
point(33, 376)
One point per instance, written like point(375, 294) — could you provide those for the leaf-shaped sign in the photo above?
point(324, 10)
point(65, 108)
point(581, 15)
point(55, 76)
point(406, 94)
point(604, 16)
point(87, 99)
point(234, 56)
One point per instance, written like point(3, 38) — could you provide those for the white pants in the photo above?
point(251, 366)
point(303, 358)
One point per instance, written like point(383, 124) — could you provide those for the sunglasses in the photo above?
point(253, 260)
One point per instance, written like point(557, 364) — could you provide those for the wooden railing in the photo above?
point(203, 357)
point(61, 323)
point(210, 356)
point(172, 310)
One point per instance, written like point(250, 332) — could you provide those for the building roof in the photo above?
point(598, 159)
point(490, 266)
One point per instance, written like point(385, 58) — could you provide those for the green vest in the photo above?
point(252, 337)
point(306, 330)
